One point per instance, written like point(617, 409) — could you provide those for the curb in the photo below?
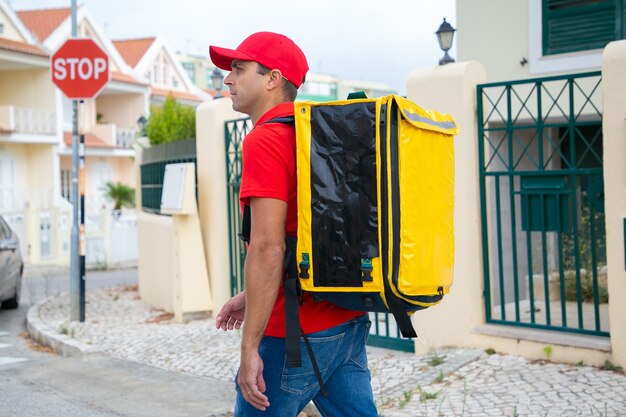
point(45, 335)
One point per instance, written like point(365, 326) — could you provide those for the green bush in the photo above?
point(171, 122)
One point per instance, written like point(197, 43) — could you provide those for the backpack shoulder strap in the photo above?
point(284, 120)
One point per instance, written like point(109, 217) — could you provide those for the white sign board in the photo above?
point(172, 198)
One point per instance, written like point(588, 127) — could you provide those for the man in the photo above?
point(266, 71)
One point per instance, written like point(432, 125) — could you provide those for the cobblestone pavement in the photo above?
point(451, 382)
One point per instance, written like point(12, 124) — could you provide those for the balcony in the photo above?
point(113, 135)
point(26, 120)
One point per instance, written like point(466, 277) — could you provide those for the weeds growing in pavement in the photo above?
point(439, 378)
point(406, 397)
point(64, 328)
point(608, 366)
point(425, 396)
point(436, 360)
point(548, 351)
point(490, 351)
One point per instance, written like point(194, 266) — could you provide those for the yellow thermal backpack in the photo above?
point(375, 204)
point(375, 207)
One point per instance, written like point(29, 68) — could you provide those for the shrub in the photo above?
point(171, 122)
point(121, 194)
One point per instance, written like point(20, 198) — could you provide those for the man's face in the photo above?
point(246, 85)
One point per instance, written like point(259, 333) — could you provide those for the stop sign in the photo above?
point(80, 68)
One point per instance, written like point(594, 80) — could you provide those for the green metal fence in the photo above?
point(384, 331)
point(154, 160)
point(234, 133)
point(542, 198)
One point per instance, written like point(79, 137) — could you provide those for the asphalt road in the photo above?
point(35, 382)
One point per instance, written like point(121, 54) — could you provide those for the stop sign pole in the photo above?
point(80, 69)
point(77, 277)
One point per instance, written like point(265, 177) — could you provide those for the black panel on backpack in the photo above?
point(344, 212)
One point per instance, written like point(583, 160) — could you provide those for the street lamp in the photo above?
point(445, 35)
point(142, 122)
point(217, 79)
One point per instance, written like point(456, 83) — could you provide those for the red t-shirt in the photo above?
point(269, 171)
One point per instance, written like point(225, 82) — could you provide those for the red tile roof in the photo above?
point(91, 141)
point(132, 50)
point(176, 94)
point(125, 78)
point(25, 48)
point(43, 22)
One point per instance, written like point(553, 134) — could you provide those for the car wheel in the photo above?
point(13, 303)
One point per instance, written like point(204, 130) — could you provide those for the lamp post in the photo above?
point(445, 35)
point(142, 122)
point(217, 79)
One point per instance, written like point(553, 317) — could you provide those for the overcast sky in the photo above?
point(370, 40)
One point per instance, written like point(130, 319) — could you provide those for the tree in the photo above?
point(171, 122)
point(121, 194)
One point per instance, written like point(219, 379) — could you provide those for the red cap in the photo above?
point(271, 50)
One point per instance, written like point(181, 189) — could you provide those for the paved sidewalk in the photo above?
point(450, 382)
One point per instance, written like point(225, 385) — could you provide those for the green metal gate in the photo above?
point(384, 331)
point(234, 132)
point(542, 201)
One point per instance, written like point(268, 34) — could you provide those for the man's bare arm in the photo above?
point(263, 276)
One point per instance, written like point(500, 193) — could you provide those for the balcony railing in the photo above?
point(126, 136)
point(27, 120)
point(20, 198)
point(114, 135)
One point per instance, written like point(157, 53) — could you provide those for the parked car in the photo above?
point(11, 267)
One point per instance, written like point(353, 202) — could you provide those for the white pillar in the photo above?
point(452, 89)
point(212, 192)
point(614, 142)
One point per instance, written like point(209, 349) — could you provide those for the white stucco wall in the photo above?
point(614, 130)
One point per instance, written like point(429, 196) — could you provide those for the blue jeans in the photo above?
point(342, 361)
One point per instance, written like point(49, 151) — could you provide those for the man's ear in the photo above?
point(274, 80)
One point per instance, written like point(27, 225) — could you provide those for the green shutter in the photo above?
point(577, 25)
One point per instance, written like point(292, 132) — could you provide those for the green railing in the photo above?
point(542, 198)
point(234, 133)
point(154, 160)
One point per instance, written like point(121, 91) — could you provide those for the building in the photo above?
point(30, 140)
point(540, 196)
point(156, 62)
point(109, 123)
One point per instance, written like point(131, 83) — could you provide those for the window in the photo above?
point(155, 72)
point(1, 28)
point(579, 25)
point(189, 68)
point(174, 82)
point(8, 200)
point(164, 73)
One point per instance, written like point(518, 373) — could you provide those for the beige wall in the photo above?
point(121, 109)
point(34, 168)
point(212, 193)
point(27, 88)
point(35, 197)
point(155, 266)
point(451, 89)
point(614, 131)
point(172, 268)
